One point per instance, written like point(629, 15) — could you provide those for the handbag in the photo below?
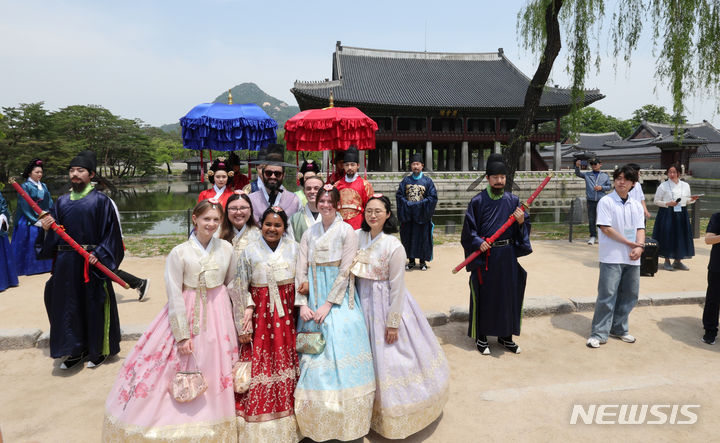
point(188, 385)
point(310, 342)
point(242, 373)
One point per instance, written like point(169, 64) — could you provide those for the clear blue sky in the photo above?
point(154, 60)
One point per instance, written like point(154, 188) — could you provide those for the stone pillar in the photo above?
point(394, 157)
point(361, 166)
point(428, 156)
point(465, 161)
point(325, 163)
point(497, 149)
point(557, 161)
point(528, 163)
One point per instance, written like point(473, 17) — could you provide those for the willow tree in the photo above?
point(685, 35)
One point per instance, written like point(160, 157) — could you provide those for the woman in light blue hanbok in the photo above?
point(335, 393)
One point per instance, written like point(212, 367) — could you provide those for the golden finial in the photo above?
point(332, 100)
point(229, 97)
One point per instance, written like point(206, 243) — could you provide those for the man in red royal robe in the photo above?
point(354, 190)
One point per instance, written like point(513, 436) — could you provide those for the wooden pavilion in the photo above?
point(453, 107)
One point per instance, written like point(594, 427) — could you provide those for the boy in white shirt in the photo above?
point(621, 224)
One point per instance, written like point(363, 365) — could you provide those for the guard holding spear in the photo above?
point(497, 281)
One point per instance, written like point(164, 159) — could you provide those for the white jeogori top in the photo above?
point(383, 258)
point(335, 247)
point(190, 266)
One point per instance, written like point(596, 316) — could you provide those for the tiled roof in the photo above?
point(373, 78)
point(594, 141)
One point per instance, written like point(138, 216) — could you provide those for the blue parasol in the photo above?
point(222, 127)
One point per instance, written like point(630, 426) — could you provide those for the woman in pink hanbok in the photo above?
point(411, 371)
point(197, 320)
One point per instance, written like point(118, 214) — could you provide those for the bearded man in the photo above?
point(273, 193)
point(497, 281)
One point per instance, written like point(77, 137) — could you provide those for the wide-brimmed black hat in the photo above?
point(417, 157)
point(272, 155)
point(86, 159)
point(496, 165)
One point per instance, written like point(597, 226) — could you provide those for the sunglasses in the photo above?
point(269, 174)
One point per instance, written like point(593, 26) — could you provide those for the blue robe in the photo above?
point(83, 315)
point(497, 281)
point(8, 274)
point(416, 200)
point(25, 233)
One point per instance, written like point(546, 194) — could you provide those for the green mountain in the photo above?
point(251, 93)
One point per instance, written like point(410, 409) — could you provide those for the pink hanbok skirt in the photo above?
point(140, 406)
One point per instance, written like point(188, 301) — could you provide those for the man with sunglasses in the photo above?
point(273, 193)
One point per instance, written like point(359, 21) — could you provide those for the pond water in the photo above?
point(163, 208)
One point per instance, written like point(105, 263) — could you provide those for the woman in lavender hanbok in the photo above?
point(335, 393)
point(411, 370)
point(197, 320)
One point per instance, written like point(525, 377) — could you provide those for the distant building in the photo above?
point(652, 146)
point(453, 107)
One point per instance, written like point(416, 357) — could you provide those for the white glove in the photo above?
point(4, 226)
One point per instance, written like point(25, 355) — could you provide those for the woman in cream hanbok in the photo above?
point(335, 392)
point(266, 283)
point(411, 370)
point(197, 320)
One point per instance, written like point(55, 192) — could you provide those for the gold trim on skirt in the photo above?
point(280, 430)
point(403, 425)
point(346, 420)
point(223, 430)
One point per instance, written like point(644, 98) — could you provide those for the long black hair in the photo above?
point(391, 224)
point(34, 163)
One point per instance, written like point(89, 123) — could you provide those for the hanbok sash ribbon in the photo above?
point(275, 302)
point(208, 278)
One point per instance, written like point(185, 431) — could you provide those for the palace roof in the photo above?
point(377, 79)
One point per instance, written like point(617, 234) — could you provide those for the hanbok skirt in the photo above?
point(673, 234)
point(140, 406)
point(412, 374)
point(335, 393)
point(265, 412)
point(23, 246)
point(8, 272)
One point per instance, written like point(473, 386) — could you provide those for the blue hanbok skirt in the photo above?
point(335, 393)
point(673, 234)
point(23, 249)
point(8, 274)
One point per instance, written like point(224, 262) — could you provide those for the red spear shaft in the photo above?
point(61, 232)
point(504, 227)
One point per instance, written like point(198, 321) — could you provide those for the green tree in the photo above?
point(26, 134)
point(685, 33)
point(654, 114)
point(167, 147)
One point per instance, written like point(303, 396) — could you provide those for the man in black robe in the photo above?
point(79, 299)
point(416, 199)
point(497, 281)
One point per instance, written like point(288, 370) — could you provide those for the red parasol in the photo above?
point(330, 129)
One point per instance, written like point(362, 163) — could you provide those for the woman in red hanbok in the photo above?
point(219, 174)
point(266, 272)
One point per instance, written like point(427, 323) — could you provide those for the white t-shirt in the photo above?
point(636, 192)
point(626, 218)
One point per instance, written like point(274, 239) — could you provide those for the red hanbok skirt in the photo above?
point(275, 370)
